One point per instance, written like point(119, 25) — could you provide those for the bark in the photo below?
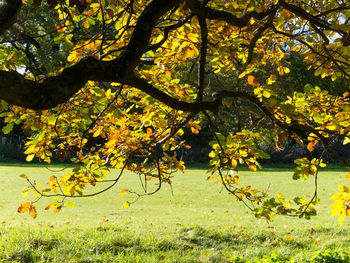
point(9, 10)
point(17, 90)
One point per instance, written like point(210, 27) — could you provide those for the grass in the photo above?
point(199, 222)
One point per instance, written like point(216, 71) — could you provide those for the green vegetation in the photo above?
point(198, 223)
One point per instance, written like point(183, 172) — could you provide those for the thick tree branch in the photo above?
point(200, 10)
point(257, 36)
point(9, 10)
point(194, 107)
point(17, 90)
point(304, 14)
point(203, 57)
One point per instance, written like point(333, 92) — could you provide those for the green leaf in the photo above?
point(8, 128)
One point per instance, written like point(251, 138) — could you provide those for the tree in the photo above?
point(120, 98)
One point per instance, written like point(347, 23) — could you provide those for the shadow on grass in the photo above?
point(193, 244)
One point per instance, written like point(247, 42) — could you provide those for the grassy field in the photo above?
point(196, 222)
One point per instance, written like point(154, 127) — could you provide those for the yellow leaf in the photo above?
point(212, 154)
point(72, 57)
point(57, 209)
point(122, 193)
point(288, 204)
point(280, 71)
point(335, 209)
point(277, 147)
point(234, 163)
point(347, 176)
point(53, 178)
point(108, 93)
point(272, 79)
point(168, 73)
point(32, 211)
point(97, 133)
point(70, 205)
point(180, 132)
point(25, 192)
point(126, 204)
point(95, 5)
point(23, 207)
point(217, 70)
point(210, 177)
point(30, 157)
point(242, 75)
point(49, 206)
point(24, 176)
point(253, 168)
point(36, 193)
point(149, 131)
point(86, 23)
point(246, 188)
point(194, 130)
point(343, 188)
point(347, 211)
point(313, 169)
point(190, 53)
point(311, 146)
point(253, 81)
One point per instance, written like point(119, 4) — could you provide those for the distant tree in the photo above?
point(98, 82)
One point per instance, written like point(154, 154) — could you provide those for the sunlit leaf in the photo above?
point(347, 176)
point(25, 192)
point(123, 192)
point(23, 207)
point(57, 209)
point(253, 167)
point(70, 205)
point(24, 176)
point(253, 81)
point(32, 211)
point(126, 204)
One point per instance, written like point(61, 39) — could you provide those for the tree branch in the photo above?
point(9, 10)
point(212, 14)
point(304, 14)
point(193, 107)
point(203, 57)
point(166, 31)
point(17, 90)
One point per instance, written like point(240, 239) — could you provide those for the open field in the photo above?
point(197, 223)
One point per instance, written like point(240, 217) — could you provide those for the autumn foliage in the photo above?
point(114, 84)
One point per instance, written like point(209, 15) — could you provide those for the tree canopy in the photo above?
point(108, 83)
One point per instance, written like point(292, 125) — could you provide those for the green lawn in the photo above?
point(199, 222)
